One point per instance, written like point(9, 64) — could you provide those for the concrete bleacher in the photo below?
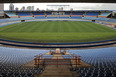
point(24, 14)
point(63, 17)
point(27, 18)
point(112, 20)
point(52, 17)
point(103, 60)
point(89, 18)
point(101, 19)
point(48, 13)
point(14, 19)
point(38, 13)
point(40, 17)
point(99, 52)
point(77, 13)
point(13, 59)
point(11, 14)
point(67, 13)
point(92, 13)
point(76, 17)
point(104, 14)
point(18, 56)
point(4, 20)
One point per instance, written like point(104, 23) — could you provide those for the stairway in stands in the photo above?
point(57, 70)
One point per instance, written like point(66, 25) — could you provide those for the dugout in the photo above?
point(22, 20)
point(93, 20)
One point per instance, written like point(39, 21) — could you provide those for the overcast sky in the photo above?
point(75, 6)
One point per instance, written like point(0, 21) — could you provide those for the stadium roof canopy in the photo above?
point(44, 1)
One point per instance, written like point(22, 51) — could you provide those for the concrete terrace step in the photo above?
point(56, 72)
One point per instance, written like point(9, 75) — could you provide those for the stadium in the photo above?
point(57, 42)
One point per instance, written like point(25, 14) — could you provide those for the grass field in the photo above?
point(57, 31)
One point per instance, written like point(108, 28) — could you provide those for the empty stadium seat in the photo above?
point(24, 13)
point(67, 13)
point(78, 13)
point(112, 20)
point(89, 18)
point(38, 14)
point(4, 20)
point(27, 18)
point(14, 19)
point(76, 17)
point(64, 17)
point(101, 19)
point(104, 14)
point(52, 17)
point(12, 59)
point(102, 59)
point(40, 17)
point(48, 13)
point(11, 14)
point(92, 13)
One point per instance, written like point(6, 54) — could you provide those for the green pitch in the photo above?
point(57, 31)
